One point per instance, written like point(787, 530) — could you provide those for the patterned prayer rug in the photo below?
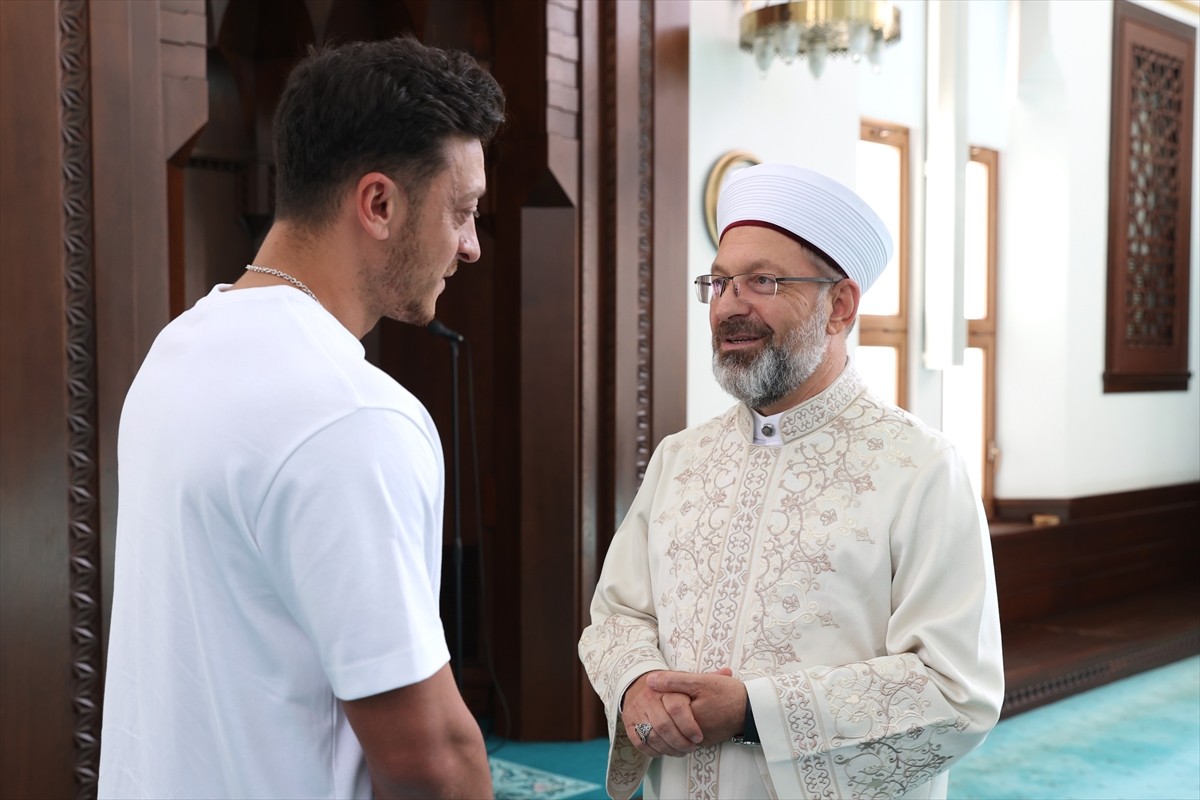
point(513, 781)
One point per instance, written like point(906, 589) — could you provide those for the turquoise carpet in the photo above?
point(1136, 739)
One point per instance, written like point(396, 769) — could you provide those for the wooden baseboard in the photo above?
point(1059, 657)
point(1090, 676)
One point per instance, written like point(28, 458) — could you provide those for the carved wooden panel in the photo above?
point(82, 455)
point(644, 206)
point(1150, 217)
point(645, 241)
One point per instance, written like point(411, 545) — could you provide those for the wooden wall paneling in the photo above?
point(562, 95)
point(550, 672)
point(538, 244)
point(1071, 566)
point(423, 363)
point(1107, 547)
point(635, 87)
point(518, 160)
point(35, 677)
point(83, 508)
point(183, 60)
point(137, 113)
point(367, 20)
point(228, 175)
point(595, 455)
point(646, 177)
point(183, 41)
point(1017, 510)
point(1109, 592)
point(226, 201)
point(629, 194)
point(671, 205)
point(131, 223)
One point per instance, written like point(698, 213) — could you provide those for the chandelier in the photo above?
point(817, 29)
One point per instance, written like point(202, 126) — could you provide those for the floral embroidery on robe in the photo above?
point(845, 577)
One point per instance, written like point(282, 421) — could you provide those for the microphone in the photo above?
point(438, 329)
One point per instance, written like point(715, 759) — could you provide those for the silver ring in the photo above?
point(643, 730)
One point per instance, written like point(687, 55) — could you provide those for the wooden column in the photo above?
point(35, 676)
point(591, 214)
point(84, 278)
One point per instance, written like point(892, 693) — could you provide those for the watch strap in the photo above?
point(749, 734)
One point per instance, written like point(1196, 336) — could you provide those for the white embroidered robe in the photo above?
point(845, 576)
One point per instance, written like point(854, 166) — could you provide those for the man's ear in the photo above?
point(379, 204)
point(845, 297)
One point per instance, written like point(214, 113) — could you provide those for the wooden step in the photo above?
point(1055, 656)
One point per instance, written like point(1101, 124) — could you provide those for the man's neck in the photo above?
point(324, 262)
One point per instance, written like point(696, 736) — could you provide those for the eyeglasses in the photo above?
point(758, 284)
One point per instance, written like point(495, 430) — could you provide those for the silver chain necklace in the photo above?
point(281, 274)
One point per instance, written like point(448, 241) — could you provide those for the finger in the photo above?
point(680, 708)
point(726, 671)
point(638, 692)
point(665, 739)
point(655, 744)
point(681, 682)
point(636, 739)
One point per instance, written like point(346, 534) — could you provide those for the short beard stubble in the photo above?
point(397, 287)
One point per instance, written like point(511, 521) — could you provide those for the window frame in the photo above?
point(877, 330)
point(981, 333)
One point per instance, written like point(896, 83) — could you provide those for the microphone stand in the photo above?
point(438, 329)
point(456, 339)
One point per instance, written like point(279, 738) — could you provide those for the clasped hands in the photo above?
point(685, 710)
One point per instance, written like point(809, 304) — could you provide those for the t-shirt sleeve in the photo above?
point(350, 534)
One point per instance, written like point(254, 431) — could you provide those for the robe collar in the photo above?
point(810, 415)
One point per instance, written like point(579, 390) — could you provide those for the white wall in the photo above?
point(1039, 75)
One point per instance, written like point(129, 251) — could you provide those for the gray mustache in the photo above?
point(726, 330)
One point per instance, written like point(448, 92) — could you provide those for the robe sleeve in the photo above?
point(622, 642)
point(885, 726)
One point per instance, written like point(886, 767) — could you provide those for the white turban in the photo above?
point(824, 214)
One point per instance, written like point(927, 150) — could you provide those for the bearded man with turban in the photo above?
point(801, 600)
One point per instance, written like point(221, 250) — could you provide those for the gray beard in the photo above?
point(778, 370)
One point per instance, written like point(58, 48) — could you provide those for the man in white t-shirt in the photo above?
point(275, 627)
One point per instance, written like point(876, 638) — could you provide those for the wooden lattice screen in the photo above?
point(1150, 216)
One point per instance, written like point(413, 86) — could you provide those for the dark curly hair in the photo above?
point(366, 106)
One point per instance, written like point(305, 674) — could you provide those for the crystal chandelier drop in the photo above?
point(818, 29)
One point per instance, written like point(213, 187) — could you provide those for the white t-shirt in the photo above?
point(278, 546)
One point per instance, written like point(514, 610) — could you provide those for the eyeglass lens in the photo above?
point(759, 283)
